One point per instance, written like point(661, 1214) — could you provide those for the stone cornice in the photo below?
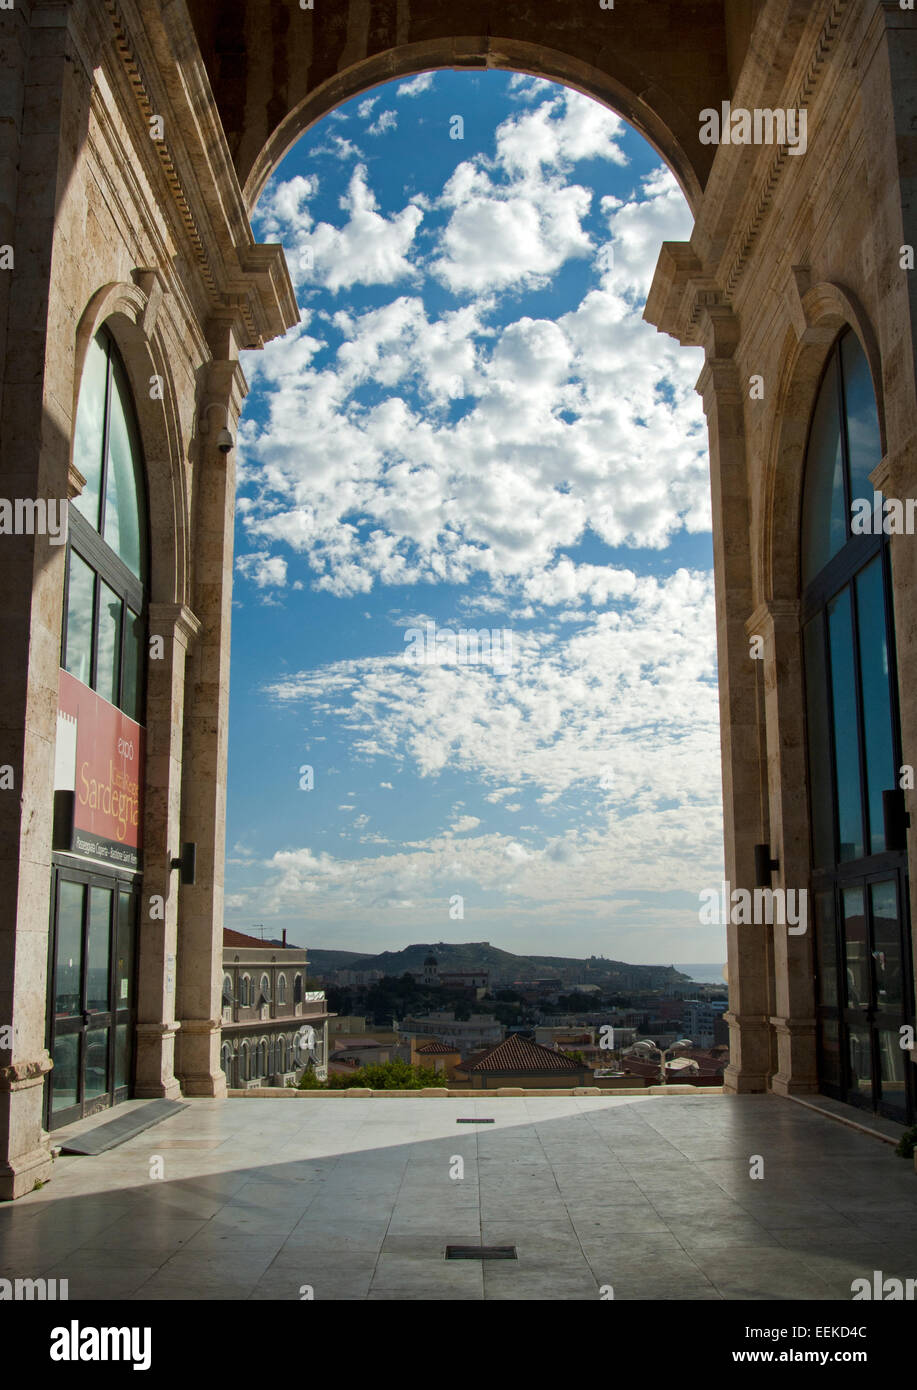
point(680, 278)
point(764, 195)
point(234, 270)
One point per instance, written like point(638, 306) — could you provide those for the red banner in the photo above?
point(99, 757)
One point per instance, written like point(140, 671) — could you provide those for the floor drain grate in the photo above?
point(481, 1252)
point(474, 1122)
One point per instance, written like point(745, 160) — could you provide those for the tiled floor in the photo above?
point(355, 1198)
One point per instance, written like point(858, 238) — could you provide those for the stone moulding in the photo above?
point(803, 97)
point(21, 1075)
point(681, 286)
point(261, 290)
point(445, 1092)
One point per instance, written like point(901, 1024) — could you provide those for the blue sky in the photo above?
point(473, 427)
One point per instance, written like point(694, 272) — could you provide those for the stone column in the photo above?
point(36, 74)
point(777, 622)
point(173, 628)
point(744, 806)
point(200, 931)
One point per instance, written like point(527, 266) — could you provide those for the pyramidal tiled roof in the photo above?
point(436, 1047)
point(517, 1054)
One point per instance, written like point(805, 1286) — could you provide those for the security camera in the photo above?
point(225, 441)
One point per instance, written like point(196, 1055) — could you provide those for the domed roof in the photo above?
point(430, 960)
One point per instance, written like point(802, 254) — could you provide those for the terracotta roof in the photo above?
point(436, 1047)
point(517, 1054)
point(238, 938)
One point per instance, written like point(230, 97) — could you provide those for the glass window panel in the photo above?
point(824, 519)
point(80, 601)
point(846, 743)
point(108, 654)
point(874, 685)
point(124, 973)
point(125, 510)
point(122, 1056)
point(856, 949)
point(99, 953)
point(131, 681)
point(830, 1052)
point(65, 1072)
point(886, 937)
point(96, 1072)
point(892, 1079)
point(863, 444)
point(860, 1055)
point(88, 432)
point(819, 744)
point(68, 964)
point(826, 944)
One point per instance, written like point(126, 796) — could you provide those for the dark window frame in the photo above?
point(837, 576)
point(90, 545)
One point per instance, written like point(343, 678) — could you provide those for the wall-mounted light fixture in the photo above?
point(186, 863)
point(764, 866)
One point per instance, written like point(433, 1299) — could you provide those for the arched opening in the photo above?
point(616, 383)
point(100, 763)
point(859, 880)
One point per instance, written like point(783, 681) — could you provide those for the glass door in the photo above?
point(92, 983)
point(865, 993)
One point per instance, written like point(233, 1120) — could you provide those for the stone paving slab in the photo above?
point(260, 1198)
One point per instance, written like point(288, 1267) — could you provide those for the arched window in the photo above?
point(282, 989)
point(227, 991)
point(282, 1054)
point(244, 1069)
point(262, 1057)
point(265, 990)
point(862, 933)
point(104, 639)
point(226, 1061)
point(297, 989)
point(246, 992)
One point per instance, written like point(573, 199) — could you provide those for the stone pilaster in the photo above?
point(200, 937)
point(777, 623)
point(750, 970)
point(173, 628)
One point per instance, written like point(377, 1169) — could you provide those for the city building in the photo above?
point(519, 1062)
point(272, 1026)
point(360, 979)
point(477, 982)
point(470, 1034)
point(699, 1018)
point(438, 1056)
point(132, 281)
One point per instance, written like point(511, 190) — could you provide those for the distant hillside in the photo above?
point(504, 966)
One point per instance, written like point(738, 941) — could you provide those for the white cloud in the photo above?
point(369, 249)
point(413, 88)
point(264, 570)
point(386, 120)
point(464, 823)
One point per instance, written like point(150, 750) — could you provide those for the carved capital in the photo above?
point(175, 621)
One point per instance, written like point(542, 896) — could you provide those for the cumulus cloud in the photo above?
point(369, 249)
point(611, 439)
point(421, 83)
point(386, 120)
point(264, 570)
